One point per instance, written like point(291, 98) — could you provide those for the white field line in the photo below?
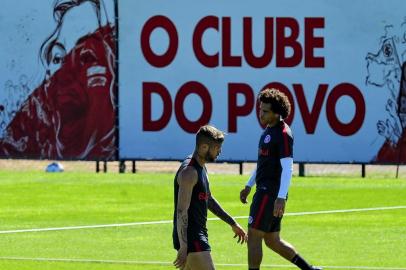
point(131, 262)
point(170, 221)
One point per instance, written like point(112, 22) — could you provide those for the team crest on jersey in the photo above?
point(250, 220)
point(267, 138)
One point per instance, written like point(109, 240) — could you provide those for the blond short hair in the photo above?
point(209, 134)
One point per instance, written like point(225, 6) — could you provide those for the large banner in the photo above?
point(187, 63)
point(57, 83)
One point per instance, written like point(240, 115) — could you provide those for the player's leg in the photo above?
point(278, 245)
point(286, 250)
point(187, 266)
point(254, 248)
point(199, 261)
point(256, 228)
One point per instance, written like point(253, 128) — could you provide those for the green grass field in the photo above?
point(374, 239)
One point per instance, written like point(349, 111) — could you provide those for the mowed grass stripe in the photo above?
point(386, 208)
point(130, 262)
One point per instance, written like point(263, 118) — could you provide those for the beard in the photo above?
point(209, 158)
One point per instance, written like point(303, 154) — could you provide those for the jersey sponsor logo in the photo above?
point(263, 152)
point(267, 138)
point(203, 196)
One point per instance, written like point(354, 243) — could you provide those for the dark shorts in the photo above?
point(196, 243)
point(261, 213)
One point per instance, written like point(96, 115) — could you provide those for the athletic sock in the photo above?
point(253, 268)
point(301, 263)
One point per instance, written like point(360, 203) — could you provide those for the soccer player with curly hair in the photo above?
point(272, 177)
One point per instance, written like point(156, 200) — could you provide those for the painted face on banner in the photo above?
point(72, 29)
point(72, 113)
point(83, 89)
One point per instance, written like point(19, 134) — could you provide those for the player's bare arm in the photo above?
point(244, 194)
point(214, 206)
point(187, 180)
point(247, 189)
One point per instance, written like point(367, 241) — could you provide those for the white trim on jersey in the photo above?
point(286, 176)
point(251, 182)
